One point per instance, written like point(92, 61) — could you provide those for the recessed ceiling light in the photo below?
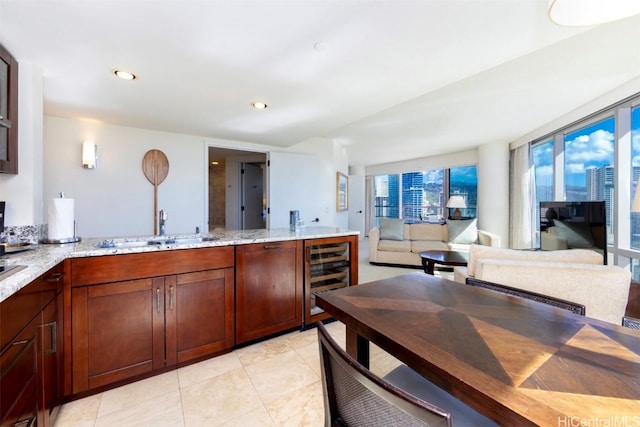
point(124, 75)
point(258, 105)
point(321, 47)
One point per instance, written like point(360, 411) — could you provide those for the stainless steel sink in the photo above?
point(183, 240)
point(115, 243)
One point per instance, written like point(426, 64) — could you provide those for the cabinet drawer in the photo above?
point(18, 372)
point(115, 268)
point(20, 308)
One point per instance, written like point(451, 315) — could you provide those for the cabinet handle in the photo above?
point(273, 246)
point(24, 423)
point(55, 277)
point(170, 297)
point(158, 300)
point(53, 334)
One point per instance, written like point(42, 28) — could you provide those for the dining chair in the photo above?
point(354, 396)
point(521, 293)
point(631, 322)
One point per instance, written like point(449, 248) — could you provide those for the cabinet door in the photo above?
point(268, 289)
point(51, 360)
point(8, 112)
point(117, 331)
point(199, 312)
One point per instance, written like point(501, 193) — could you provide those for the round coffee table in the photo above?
point(448, 258)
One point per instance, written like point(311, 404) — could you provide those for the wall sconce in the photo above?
point(89, 155)
point(578, 13)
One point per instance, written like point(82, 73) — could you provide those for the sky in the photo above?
point(592, 146)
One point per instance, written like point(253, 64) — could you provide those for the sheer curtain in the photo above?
point(521, 199)
point(369, 207)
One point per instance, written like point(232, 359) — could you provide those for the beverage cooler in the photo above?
point(330, 263)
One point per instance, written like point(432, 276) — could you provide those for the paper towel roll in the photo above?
point(61, 219)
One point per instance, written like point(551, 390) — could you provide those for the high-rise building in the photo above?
point(412, 195)
point(387, 197)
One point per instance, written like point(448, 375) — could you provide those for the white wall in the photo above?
point(23, 192)
point(116, 198)
point(461, 158)
point(323, 187)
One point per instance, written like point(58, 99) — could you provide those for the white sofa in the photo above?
point(401, 244)
point(478, 253)
point(576, 275)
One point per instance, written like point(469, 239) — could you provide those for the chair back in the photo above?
point(520, 293)
point(354, 396)
point(631, 322)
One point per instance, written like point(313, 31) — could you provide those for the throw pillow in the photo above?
point(463, 231)
point(578, 234)
point(391, 229)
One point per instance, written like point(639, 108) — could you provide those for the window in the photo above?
point(542, 154)
point(635, 175)
point(387, 202)
point(463, 181)
point(589, 172)
point(421, 196)
point(543, 171)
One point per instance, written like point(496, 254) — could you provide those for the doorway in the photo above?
point(228, 191)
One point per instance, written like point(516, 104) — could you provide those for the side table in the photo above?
point(448, 258)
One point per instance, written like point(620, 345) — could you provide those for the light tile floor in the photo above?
point(271, 383)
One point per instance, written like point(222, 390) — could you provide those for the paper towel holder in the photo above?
point(89, 155)
point(74, 239)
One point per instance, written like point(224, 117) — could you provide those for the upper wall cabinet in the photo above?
point(8, 112)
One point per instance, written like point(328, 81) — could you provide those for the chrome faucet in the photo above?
point(163, 218)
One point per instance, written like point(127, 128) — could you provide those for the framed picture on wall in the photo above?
point(342, 191)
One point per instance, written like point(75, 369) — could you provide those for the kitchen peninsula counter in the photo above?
point(45, 256)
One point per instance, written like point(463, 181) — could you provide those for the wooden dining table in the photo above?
point(519, 362)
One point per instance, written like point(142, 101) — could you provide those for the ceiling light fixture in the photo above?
point(578, 13)
point(321, 47)
point(124, 75)
point(258, 105)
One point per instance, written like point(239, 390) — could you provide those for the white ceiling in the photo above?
point(397, 79)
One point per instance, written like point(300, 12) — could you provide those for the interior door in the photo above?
point(252, 197)
point(299, 182)
point(356, 203)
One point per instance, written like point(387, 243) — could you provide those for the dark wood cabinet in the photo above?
point(8, 112)
point(113, 332)
point(30, 352)
point(268, 289)
point(200, 320)
point(330, 263)
point(51, 360)
point(122, 329)
point(20, 382)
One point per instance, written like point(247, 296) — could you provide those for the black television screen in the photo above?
point(572, 225)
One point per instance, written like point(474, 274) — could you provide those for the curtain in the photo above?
point(521, 199)
point(369, 207)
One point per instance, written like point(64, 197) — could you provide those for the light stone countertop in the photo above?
point(45, 256)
